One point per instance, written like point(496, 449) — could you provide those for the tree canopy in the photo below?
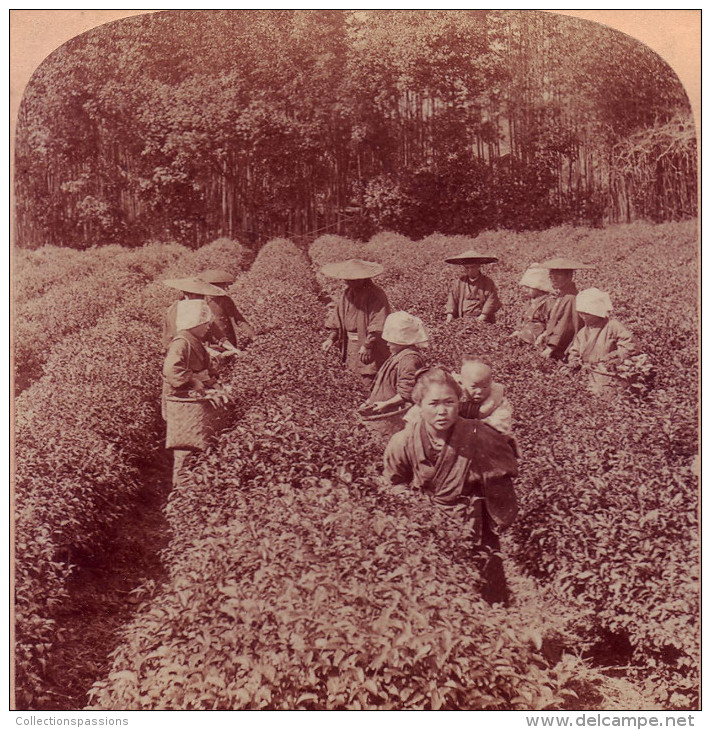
point(191, 125)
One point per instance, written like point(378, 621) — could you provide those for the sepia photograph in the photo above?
point(355, 363)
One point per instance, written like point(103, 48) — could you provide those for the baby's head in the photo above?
point(476, 378)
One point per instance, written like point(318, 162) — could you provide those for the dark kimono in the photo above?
point(470, 478)
point(359, 318)
point(535, 318)
point(563, 321)
point(471, 298)
point(228, 322)
point(397, 376)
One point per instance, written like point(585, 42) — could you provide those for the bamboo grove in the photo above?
point(191, 125)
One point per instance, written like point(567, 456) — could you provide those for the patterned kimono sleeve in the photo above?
point(542, 312)
point(574, 357)
point(398, 468)
point(406, 376)
point(378, 313)
point(331, 322)
point(501, 418)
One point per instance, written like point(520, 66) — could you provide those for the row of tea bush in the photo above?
point(297, 579)
point(84, 432)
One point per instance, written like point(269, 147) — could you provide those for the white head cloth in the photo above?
point(191, 313)
point(537, 278)
point(402, 328)
point(594, 301)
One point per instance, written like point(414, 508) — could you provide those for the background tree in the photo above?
point(190, 125)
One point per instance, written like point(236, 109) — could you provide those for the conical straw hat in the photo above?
point(193, 285)
point(216, 276)
point(352, 269)
point(472, 257)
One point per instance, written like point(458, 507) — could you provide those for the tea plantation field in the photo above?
point(290, 575)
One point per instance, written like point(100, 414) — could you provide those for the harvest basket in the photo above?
point(192, 422)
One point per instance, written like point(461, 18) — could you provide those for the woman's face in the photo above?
point(591, 320)
point(394, 348)
point(440, 407)
point(472, 270)
point(559, 277)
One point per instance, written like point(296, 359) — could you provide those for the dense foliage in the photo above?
point(609, 498)
point(85, 431)
point(289, 122)
point(296, 578)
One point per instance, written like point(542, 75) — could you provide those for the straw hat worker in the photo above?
point(563, 321)
point(230, 330)
point(474, 294)
point(356, 322)
point(190, 288)
point(187, 363)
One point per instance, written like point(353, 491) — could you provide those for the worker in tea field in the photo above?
point(563, 321)
point(483, 398)
point(464, 466)
point(357, 320)
point(230, 330)
point(602, 344)
point(391, 396)
point(190, 288)
point(537, 288)
point(186, 369)
point(474, 294)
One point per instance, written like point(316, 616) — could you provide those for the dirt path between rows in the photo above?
point(104, 593)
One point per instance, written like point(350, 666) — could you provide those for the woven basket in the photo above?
point(192, 422)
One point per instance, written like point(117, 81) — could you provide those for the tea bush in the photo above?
point(298, 581)
point(37, 271)
point(84, 432)
point(116, 276)
point(607, 488)
point(77, 304)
